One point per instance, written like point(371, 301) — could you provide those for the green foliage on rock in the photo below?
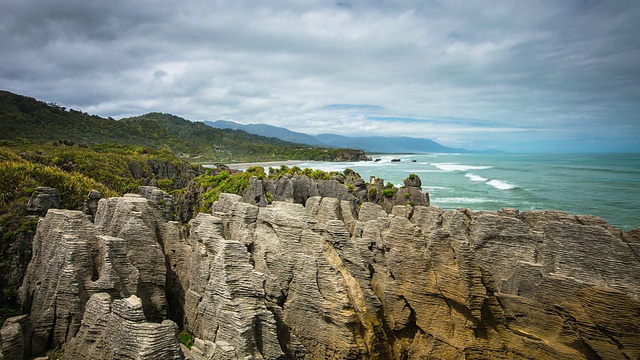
point(74, 170)
point(186, 339)
point(372, 193)
point(224, 183)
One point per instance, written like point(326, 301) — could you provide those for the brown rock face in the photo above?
point(419, 283)
point(329, 280)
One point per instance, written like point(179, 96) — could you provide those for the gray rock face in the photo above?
point(12, 338)
point(330, 280)
point(90, 205)
point(226, 310)
point(159, 198)
point(300, 188)
point(417, 283)
point(43, 199)
point(74, 259)
point(255, 193)
point(117, 329)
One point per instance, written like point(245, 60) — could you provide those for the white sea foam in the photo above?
point(501, 185)
point(459, 167)
point(436, 188)
point(428, 171)
point(473, 177)
point(460, 200)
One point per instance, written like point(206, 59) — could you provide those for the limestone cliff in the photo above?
point(74, 259)
point(328, 279)
point(418, 283)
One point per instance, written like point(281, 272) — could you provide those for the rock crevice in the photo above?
point(327, 279)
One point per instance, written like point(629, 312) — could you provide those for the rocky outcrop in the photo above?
point(298, 189)
point(330, 279)
point(417, 283)
point(117, 329)
point(148, 172)
point(43, 199)
point(74, 259)
point(13, 344)
point(90, 205)
point(389, 196)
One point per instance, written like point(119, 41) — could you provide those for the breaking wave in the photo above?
point(501, 185)
point(459, 167)
point(477, 178)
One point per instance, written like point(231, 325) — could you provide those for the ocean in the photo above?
point(605, 185)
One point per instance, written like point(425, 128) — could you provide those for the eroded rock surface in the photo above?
point(329, 279)
point(118, 329)
point(43, 199)
point(74, 259)
point(417, 283)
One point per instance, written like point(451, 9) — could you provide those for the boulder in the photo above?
point(412, 181)
point(43, 199)
point(90, 205)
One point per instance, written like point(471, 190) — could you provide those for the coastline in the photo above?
point(492, 182)
point(264, 164)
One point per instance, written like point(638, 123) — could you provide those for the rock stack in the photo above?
point(329, 279)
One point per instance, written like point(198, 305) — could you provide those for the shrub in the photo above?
point(320, 175)
point(372, 193)
point(388, 192)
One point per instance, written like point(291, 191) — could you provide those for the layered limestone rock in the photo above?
point(329, 279)
point(417, 283)
point(74, 259)
point(117, 329)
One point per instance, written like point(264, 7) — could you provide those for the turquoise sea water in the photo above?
point(606, 185)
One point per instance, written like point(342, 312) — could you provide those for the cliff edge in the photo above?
point(328, 279)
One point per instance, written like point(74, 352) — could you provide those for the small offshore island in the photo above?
point(121, 248)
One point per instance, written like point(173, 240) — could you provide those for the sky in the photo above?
point(518, 76)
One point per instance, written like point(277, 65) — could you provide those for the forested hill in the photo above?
point(27, 118)
point(32, 120)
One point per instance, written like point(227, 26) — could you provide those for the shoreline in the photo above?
point(264, 164)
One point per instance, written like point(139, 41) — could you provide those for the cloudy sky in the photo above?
point(538, 75)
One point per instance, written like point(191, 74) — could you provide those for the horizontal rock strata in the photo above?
point(418, 283)
point(330, 279)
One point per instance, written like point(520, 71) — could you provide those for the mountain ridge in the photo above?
point(381, 144)
point(267, 130)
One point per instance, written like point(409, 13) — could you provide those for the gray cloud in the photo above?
point(511, 75)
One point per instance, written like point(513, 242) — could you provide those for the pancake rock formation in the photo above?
point(329, 279)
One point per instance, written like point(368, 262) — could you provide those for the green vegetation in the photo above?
point(372, 193)
point(224, 183)
point(277, 173)
point(388, 192)
point(186, 338)
point(74, 170)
